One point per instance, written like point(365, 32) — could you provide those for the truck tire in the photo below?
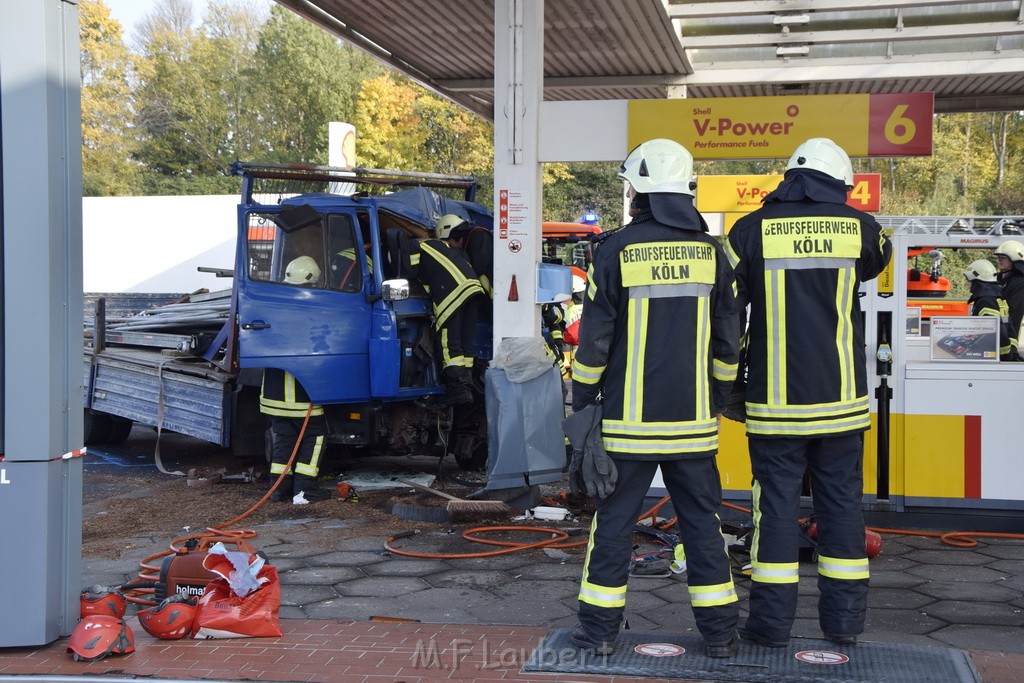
point(97, 428)
point(121, 427)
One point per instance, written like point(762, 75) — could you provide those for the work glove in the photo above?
point(590, 468)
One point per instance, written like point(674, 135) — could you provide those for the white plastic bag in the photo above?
point(522, 358)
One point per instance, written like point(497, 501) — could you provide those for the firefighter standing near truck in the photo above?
point(658, 349)
point(284, 400)
point(799, 261)
point(987, 300)
point(1010, 260)
point(455, 293)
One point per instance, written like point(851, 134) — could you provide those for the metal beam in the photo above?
point(741, 40)
point(722, 10)
point(816, 71)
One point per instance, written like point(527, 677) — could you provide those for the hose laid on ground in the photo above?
point(149, 573)
point(559, 539)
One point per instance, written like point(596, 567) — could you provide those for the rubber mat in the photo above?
point(805, 660)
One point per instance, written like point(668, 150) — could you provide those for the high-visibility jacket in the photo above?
point(447, 276)
point(480, 252)
point(987, 300)
point(799, 265)
point(282, 396)
point(1012, 283)
point(659, 339)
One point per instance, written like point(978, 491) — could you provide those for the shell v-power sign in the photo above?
point(772, 127)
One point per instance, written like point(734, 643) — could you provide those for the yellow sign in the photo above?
point(772, 127)
point(733, 193)
point(817, 237)
point(885, 285)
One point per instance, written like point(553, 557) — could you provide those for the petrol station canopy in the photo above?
point(969, 54)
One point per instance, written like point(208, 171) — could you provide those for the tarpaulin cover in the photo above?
point(525, 445)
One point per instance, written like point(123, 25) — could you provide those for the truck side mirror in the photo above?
point(394, 290)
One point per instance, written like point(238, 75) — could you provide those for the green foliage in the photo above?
point(580, 187)
point(107, 135)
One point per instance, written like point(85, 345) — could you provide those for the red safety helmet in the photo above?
point(171, 619)
point(104, 601)
point(97, 636)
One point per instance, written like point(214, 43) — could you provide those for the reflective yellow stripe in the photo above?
point(444, 310)
point(639, 428)
point(844, 332)
point(775, 572)
point(591, 593)
point(726, 372)
point(312, 468)
point(989, 311)
point(731, 254)
point(636, 340)
point(846, 424)
point(755, 495)
point(702, 405)
point(660, 446)
point(807, 410)
point(712, 596)
point(414, 259)
point(444, 262)
point(585, 373)
point(277, 467)
point(775, 319)
point(843, 568)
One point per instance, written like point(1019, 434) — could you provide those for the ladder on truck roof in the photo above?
point(953, 225)
point(281, 179)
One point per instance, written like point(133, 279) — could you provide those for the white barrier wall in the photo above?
point(155, 244)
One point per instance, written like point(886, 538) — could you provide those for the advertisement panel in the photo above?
point(743, 193)
point(771, 127)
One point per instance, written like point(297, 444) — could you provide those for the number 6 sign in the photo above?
point(900, 124)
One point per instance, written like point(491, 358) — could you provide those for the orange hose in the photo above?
point(150, 572)
point(556, 541)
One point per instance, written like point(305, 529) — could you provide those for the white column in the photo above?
point(518, 93)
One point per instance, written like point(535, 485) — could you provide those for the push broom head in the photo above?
point(460, 510)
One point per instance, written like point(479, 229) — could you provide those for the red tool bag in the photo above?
point(183, 573)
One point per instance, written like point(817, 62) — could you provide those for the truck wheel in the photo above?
point(120, 428)
point(97, 428)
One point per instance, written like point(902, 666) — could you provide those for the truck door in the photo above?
point(302, 303)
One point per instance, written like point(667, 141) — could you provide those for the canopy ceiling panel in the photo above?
point(970, 54)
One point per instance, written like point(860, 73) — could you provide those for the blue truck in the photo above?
point(360, 339)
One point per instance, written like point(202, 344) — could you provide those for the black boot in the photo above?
point(310, 489)
point(457, 386)
point(284, 491)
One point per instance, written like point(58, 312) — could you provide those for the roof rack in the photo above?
point(301, 178)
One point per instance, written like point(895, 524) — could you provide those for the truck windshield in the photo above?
point(322, 255)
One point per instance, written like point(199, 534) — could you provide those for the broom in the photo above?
point(460, 509)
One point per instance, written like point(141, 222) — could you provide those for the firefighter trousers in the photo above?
point(457, 337)
point(696, 494)
point(286, 432)
point(837, 485)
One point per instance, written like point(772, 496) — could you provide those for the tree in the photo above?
point(304, 79)
point(389, 131)
point(107, 135)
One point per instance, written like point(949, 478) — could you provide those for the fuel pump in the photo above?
point(883, 397)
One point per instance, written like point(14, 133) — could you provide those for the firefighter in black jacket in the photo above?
point(658, 342)
point(475, 242)
point(987, 300)
point(799, 261)
point(455, 291)
point(286, 402)
point(1010, 259)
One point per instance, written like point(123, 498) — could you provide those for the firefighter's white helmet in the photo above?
point(658, 165)
point(447, 224)
point(982, 269)
point(1011, 249)
point(302, 271)
point(821, 154)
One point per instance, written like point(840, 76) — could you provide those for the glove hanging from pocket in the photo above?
point(590, 468)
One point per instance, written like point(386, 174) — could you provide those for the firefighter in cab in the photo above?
point(657, 355)
point(1010, 260)
point(799, 261)
point(287, 403)
point(455, 293)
